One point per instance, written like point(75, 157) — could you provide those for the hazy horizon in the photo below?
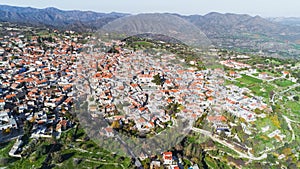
point(266, 8)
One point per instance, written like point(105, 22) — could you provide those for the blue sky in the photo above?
point(265, 8)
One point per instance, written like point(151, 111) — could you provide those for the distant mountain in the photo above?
point(235, 31)
point(286, 21)
point(216, 24)
point(212, 23)
point(157, 23)
point(56, 18)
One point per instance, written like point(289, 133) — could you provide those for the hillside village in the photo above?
point(138, 93)
point(177, 86)
point(36, 84)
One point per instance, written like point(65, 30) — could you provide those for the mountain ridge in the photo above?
point(54, 17)
point(225, 30)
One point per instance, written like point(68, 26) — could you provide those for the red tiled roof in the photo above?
point(216, 118)
point(167, 155)
point(134, 85)
point(109, 130)
point(63, 122)
point(143, 108)
point(10, 96)
point(194, 115)
point(210, 99)
point(142, 120)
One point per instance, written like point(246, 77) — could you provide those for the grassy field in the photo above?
point(143, 44)
point(263, 122)
point(294, 106)
point(257, 86)
point(210, 162)
point(92, 160)
point(16, 163)
point(5, 148)
point(283, 83)
point(262, 90)
point(248, 80)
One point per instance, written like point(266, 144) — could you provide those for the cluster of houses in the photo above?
point(234, 101)
point(124, 90)
point(36, 79)
point(267, 76)
point(126, 80)
point(241, 105)
point(7, 121)
point(234, 64)
point(169, 161)
point(219, 123)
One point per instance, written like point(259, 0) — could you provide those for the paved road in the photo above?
point(137, 163)
point(12, 136)
point(284, 91)
point(290, 127)
point(241, 154)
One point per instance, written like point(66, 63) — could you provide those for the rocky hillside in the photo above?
point(53, 17)
point(216, 24)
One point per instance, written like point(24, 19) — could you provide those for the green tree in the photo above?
point(157, 80)
point(41, 150)
point(287, 76)
point(271, 158)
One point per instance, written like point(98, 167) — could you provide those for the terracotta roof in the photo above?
point(216, 118)
point(167, 155)
point(109, 130)
point(286, 72)
point(210, 98)
point(10, 96)
point(134, 85)
point(143, 108)
point(142, 120)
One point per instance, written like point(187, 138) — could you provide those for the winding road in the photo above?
point(284, 91)
point(290, 127)
point(241, 154)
